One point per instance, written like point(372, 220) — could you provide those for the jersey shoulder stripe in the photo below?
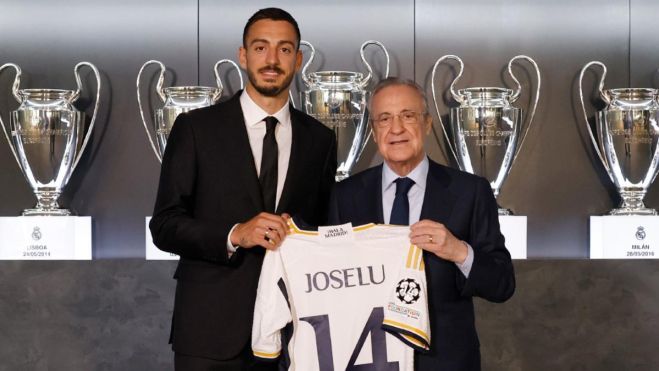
point(415, 258)
point(412, 336)
point(265, 355)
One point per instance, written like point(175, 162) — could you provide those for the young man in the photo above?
point(231, 175)
point(452, 216)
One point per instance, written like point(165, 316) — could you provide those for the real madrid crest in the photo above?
point(36, 233)
point(640, 233)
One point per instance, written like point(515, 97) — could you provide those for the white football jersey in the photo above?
point(355, 299)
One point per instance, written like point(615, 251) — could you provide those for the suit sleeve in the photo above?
point(173, 226)
point(271, 310)
point(492, 276)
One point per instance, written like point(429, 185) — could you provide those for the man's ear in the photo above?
point(242, 57)
point(428, 123)
point(298, 60)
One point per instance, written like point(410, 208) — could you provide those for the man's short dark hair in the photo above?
point(274, 14)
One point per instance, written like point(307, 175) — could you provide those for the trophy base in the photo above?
point(505, 212)
point(341, 175)
point(42, 212)
point(637, 211)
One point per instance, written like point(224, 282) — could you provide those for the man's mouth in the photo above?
point(270, 72)
point(397, 142)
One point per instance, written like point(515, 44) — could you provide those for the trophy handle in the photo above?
point(14, 90)
point(366, 79)
point(216, 68)
point(305, 78)
point(290, 98)
point(457, 97)
point(517, 92)
point(76, 95)
point(585, 115)
point(162, 96)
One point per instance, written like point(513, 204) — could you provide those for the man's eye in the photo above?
point(286, 50)
point(385, 119)
point(259, 48)
point(408, 115)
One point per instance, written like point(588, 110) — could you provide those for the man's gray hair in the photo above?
point(398, 81)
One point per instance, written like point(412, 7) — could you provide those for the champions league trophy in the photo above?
point(177, 100)
point(47, 137)
point(338, 100)
point(487, 131)
point(627, 140)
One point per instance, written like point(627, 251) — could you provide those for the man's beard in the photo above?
point(272, 90)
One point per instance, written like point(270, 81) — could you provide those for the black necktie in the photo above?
point(400, 212)
point(269, 161)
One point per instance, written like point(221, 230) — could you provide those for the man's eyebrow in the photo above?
point(258, 41)
point(286, 42)
point(283, 42)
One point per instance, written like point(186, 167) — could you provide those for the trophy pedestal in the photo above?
point(152, 252)
point(624, 237)
point(633, 212)
point(41, 212)
point(513, 229)
point(46, 238)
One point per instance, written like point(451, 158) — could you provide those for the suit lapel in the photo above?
point(372, 192)
point(438, 200)
point(233, 129)
point(301, 143)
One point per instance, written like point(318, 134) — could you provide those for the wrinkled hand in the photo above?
point(266, 230)
point(437, 239)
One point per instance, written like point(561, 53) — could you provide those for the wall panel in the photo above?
point(114, 314)
point(556, 181)
point(644, 60)
point(349, 23)
point(116, 179)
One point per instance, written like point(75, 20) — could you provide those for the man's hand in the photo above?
point(267, 230)
point(437, 239)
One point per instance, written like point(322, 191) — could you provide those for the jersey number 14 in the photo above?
point(321, 328)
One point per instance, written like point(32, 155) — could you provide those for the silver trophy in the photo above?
point(487, 131)
point(177, 100)
point(48, 137)
point(338, 100)
point(627, 140)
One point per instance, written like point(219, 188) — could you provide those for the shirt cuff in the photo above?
point(465, 267)
point(230, 248)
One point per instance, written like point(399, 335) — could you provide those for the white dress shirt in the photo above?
point(415, 197)
point(254, 117)
point(254, 122)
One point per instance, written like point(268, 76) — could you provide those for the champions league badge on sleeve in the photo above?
point(408, 291)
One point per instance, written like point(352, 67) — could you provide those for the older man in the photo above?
point(452, 216)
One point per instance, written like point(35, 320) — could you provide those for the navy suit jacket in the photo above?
point(208, 182)
point(465, 204)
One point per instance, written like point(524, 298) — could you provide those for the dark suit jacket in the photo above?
point(464, 203)
point(208, 182)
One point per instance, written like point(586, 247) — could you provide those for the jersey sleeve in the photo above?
point(271, 310)
point(406, 310)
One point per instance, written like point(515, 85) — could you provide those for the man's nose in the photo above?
point(397, 125)
point(272, 57)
